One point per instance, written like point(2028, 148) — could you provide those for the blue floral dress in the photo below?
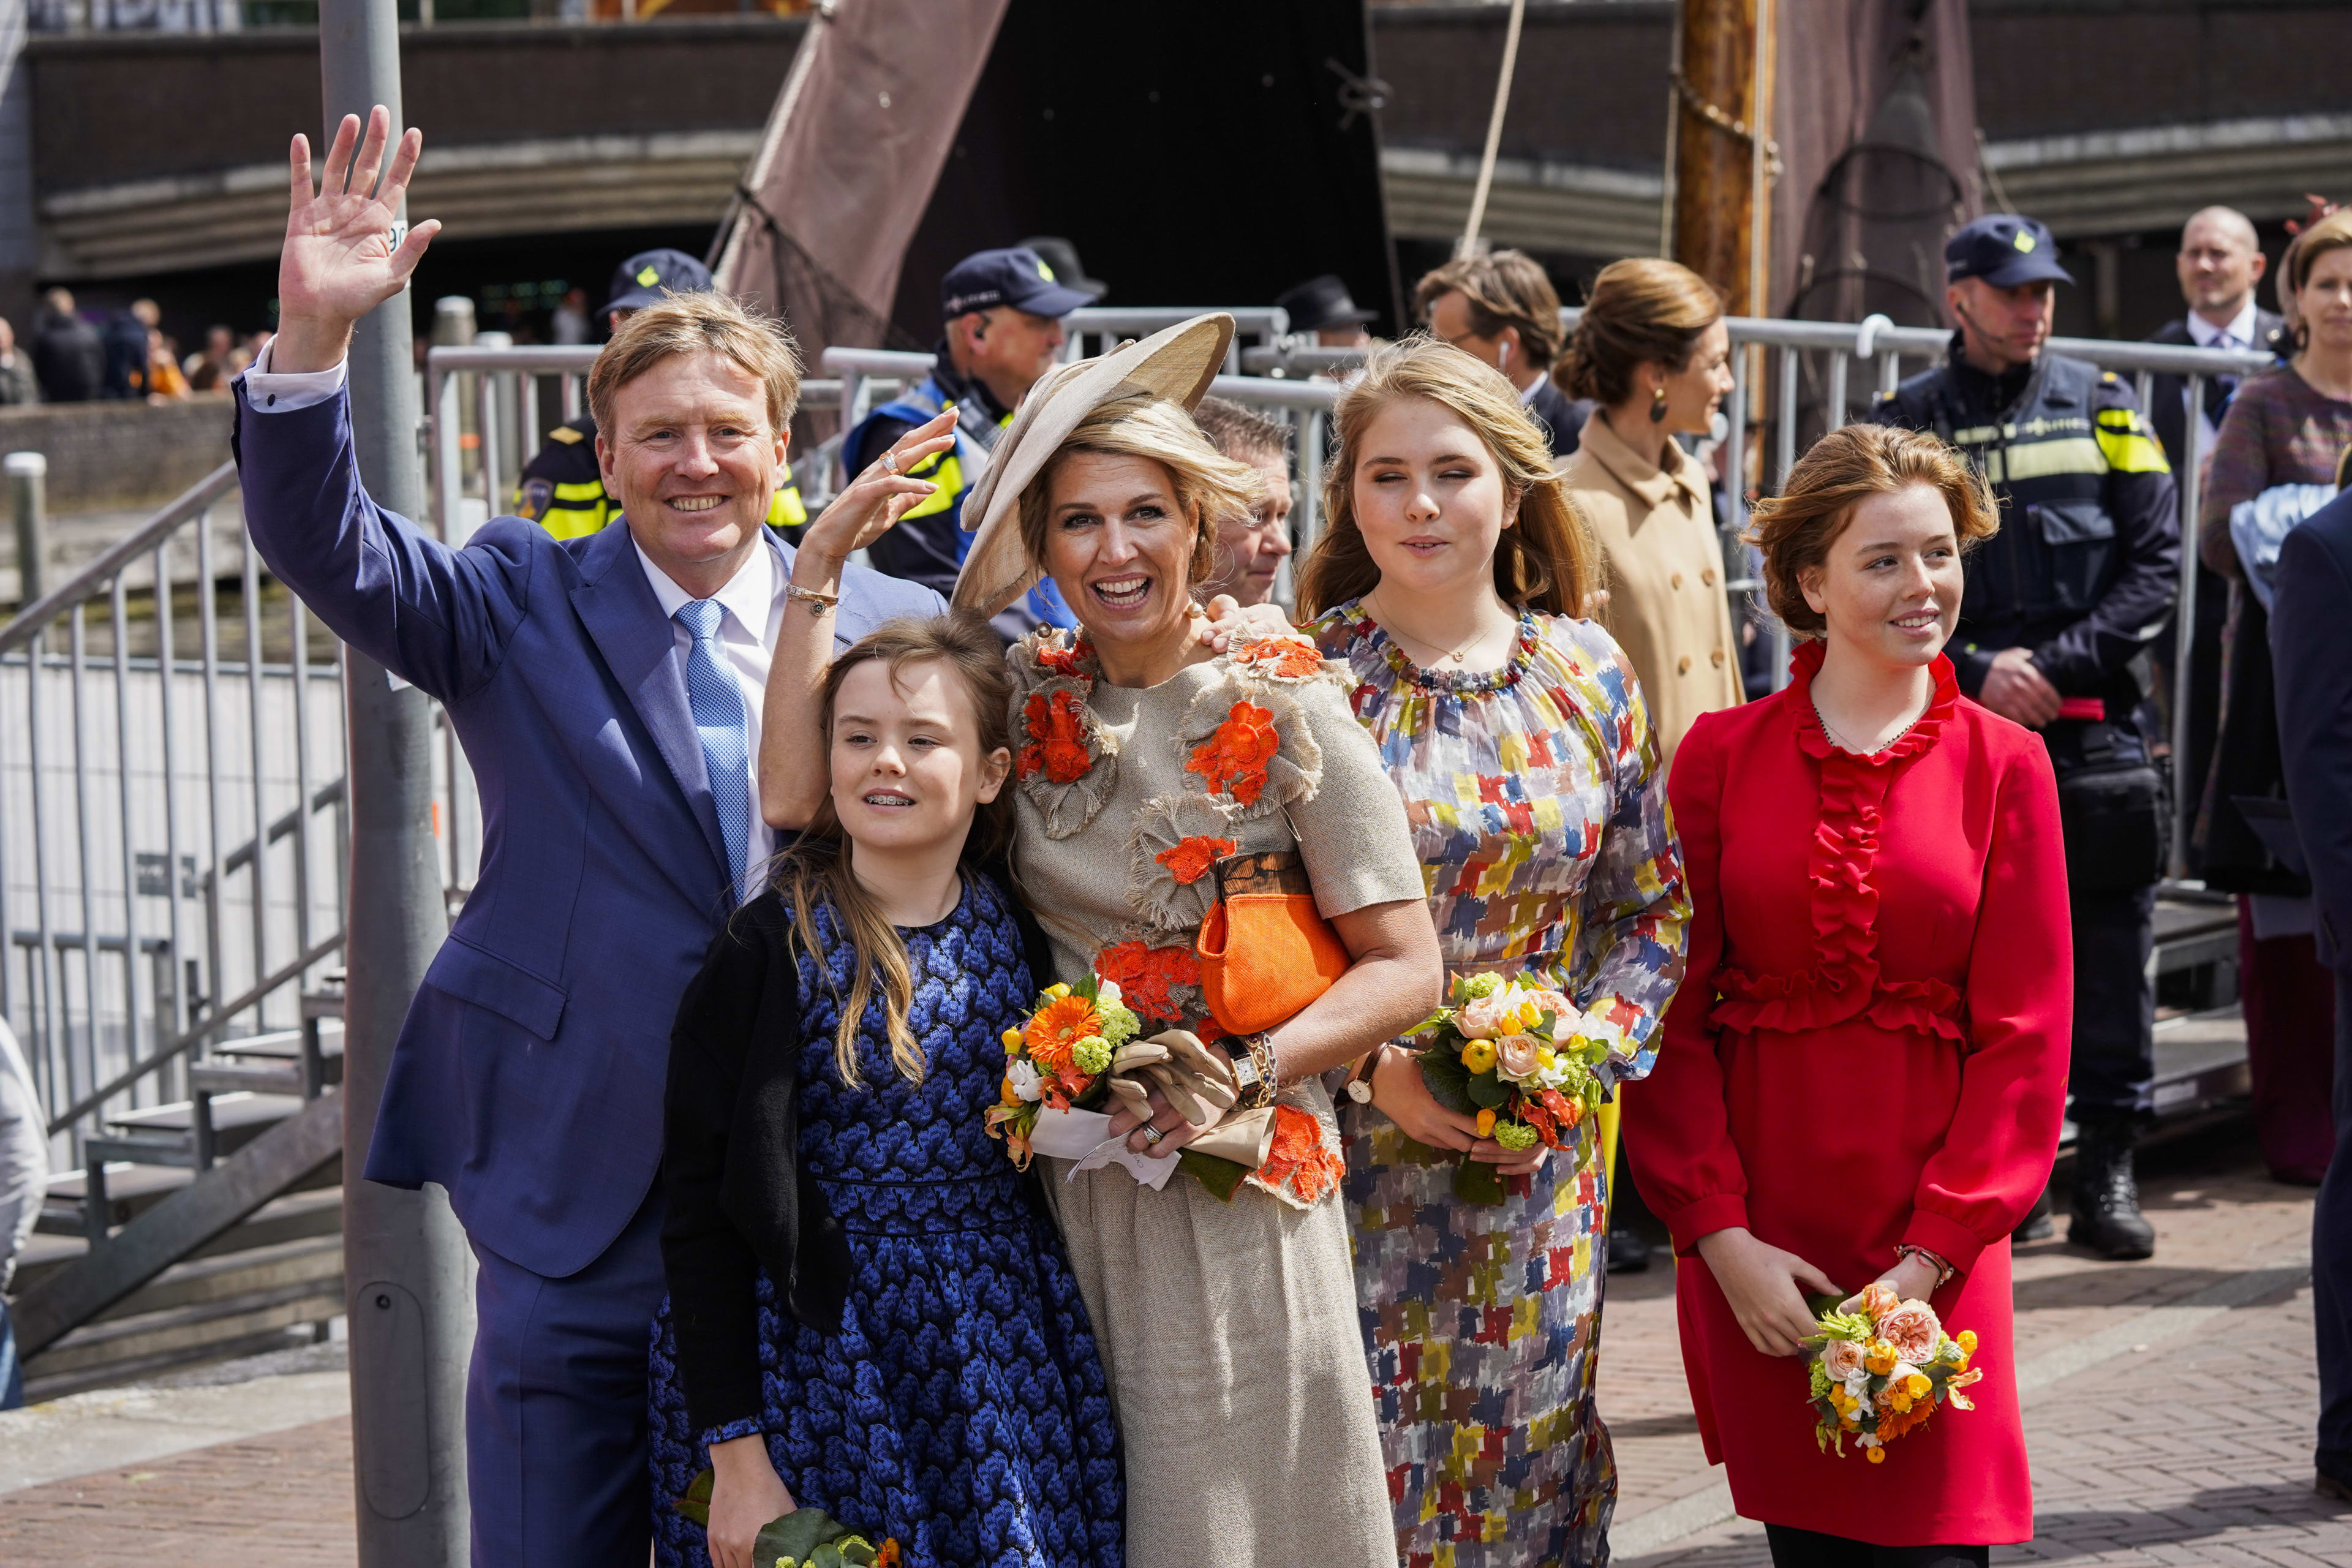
point(961, 1406)
point(1540, 811)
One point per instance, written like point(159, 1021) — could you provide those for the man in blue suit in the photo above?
point(608, 692)
point(2312, 650)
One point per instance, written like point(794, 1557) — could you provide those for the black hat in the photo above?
point(1063, 257)
point(1322, 303)
point(645, 278)
point(2005, 250)
point(1018, 276)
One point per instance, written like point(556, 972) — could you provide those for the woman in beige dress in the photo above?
point(1652, 352)
point(1227, 1326)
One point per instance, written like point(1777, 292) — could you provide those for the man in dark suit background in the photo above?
point(2311, 646)
point(2221, 266)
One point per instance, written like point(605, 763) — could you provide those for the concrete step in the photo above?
point(313, 1210)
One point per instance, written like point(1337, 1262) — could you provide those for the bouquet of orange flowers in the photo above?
point(1057, 1060)
point(1509, 1056)
point(1882, 1370)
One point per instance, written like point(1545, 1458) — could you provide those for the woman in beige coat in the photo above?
point(1654, 354)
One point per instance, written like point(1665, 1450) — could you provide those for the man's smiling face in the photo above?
point(693, 460)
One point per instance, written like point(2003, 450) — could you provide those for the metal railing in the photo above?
point(489, 412)
point(172, 815)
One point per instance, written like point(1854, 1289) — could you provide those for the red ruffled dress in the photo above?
point(1891, 1070)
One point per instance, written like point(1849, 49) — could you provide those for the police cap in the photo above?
point(1018, 276)
point(645, 278)
point(2005, 250)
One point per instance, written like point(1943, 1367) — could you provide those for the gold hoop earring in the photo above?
point(1658, 405)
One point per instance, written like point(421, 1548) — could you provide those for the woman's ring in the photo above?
point(1152, 1134)
point(890, 459)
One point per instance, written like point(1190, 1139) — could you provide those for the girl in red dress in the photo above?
point(1873, 1092)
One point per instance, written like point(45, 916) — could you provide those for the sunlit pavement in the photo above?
point(2168, 1410)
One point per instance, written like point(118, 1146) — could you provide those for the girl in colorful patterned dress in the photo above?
point(1449, 581)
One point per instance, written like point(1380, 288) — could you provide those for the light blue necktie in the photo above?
point(719, 721)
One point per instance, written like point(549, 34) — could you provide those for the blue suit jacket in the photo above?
point(2311, 648)
point(528, 1076)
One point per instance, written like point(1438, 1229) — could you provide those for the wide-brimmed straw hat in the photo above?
point(1177, 363)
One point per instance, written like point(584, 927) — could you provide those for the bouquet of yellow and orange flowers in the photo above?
point(1056, 1061)
point(1511, 1057)
point(1883, 1369)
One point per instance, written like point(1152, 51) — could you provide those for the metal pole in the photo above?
point(406, 1266)
point(2186, 790)
point(28, 486)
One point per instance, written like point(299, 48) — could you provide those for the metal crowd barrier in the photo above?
point(171, 817)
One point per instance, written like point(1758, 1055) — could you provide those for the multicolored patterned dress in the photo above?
point(1539, 809)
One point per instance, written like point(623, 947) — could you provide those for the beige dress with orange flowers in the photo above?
point(1229, 1329)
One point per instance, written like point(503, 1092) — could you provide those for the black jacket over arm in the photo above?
point(736, 1201)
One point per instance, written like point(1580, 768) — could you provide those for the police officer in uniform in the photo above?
point(2059, 607)
point(562, 489)
point(1002, 311)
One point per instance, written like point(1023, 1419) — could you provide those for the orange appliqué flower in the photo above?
point(1071, 661)
point(1190, 859)
point(1298, 1157)
point(1281, 658)
point(1144, 976)
point(1233, 760)
point(1056, 1029)
point(1058, 738)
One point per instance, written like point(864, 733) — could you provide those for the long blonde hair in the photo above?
point(1547, 560)
point(815, 868)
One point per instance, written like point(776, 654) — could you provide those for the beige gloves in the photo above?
point(1198, 1082)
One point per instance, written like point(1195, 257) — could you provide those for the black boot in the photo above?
point(2106, 1200)
point(2035, 1225)
point(1628, 1253)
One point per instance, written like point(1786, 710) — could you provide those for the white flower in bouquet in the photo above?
point(1023, 1078)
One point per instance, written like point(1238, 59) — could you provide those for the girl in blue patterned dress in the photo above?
point(871, 1311)
point(1450, 581)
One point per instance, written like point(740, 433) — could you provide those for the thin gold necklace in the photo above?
point(1858, 750)
point(1457, 655)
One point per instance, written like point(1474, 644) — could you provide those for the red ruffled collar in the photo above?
point(1805, 662)
point(1845, 981)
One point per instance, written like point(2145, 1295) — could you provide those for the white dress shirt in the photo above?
point(2238, 334)
point(754, 598)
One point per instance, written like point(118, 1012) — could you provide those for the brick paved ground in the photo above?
point(282, 1500)
point(2196, 1450)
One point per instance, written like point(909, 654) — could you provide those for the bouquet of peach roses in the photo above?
point(1883, 1369)
point(1509, 1056)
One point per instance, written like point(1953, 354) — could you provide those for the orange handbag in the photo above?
point(1265, 950)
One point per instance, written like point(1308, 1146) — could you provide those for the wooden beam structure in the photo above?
point(1720, 158)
